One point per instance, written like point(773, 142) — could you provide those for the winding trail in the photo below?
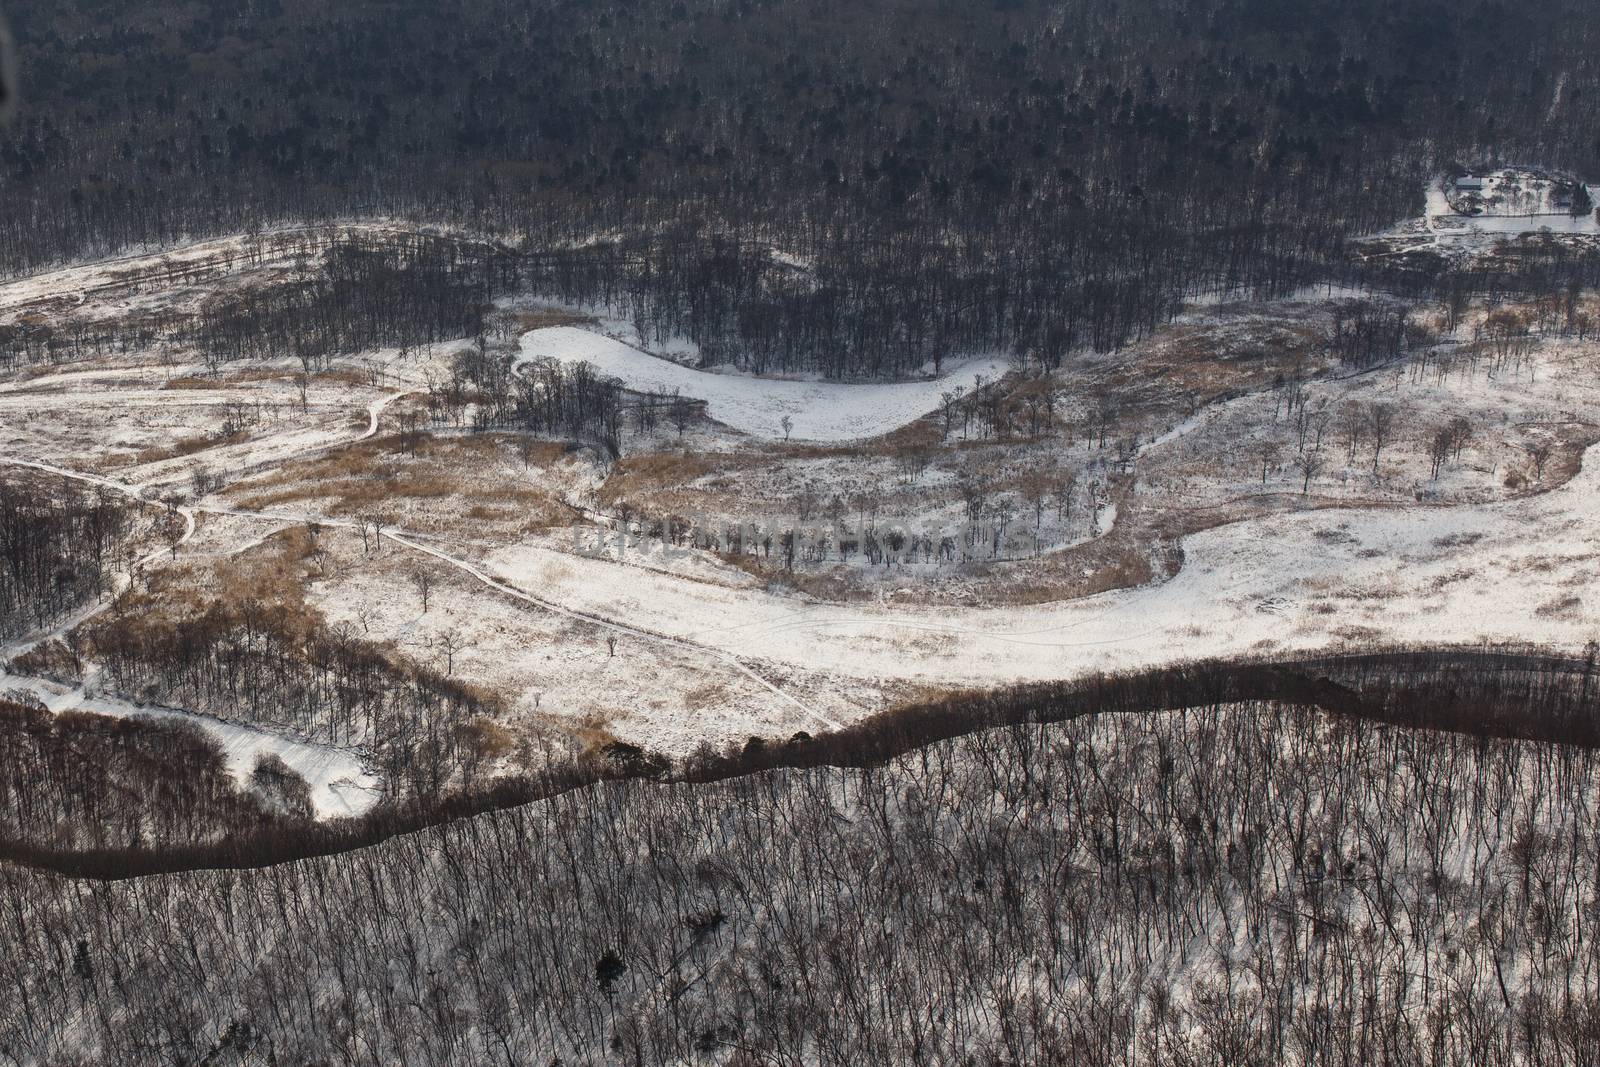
point(611, 624)
point(412, 543)
point(1502, 571)
point(376, 409)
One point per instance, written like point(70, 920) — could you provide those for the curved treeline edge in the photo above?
point(367, 287)
point(1489, 693)
point(1253, 883)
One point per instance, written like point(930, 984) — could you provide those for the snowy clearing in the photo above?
point(1446, 224)
point(821, 411)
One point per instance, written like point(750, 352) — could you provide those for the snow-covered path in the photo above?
point(820, 411)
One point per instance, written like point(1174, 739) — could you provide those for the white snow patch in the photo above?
point(820, 411)
point(340, 784)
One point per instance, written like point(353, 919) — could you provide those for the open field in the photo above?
point(1218, 489)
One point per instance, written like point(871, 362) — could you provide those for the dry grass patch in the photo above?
point(1567, 607)
point(1445, 580)
point(238, 377)
point(592, 731)
point(706, 697)
point(372, 477)
point(545, 318)
point(184, 446)
point(347, 496)
point(644, 475)
point(270, 580)
point(340, 377)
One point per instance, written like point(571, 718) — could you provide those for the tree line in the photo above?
point(57, 551)
point(833, 186)
point(1491, 694)
point(1246, 882)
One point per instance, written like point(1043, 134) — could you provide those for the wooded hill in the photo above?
point(1014, 175)
point(1236, 885)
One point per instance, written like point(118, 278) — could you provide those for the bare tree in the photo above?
point(1270, 454)
point(422, 581)
point(450, 643)
point(1352, 422)
point(1310, 465)
point(1460, 434)
point(375, 523)
point(1439, 443)
point(1539, 453)
point(1381, 426)
point(1036, 487)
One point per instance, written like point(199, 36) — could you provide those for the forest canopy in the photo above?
point(1006, 174)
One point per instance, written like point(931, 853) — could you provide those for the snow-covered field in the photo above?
point(709, 654)
point(1515, 571)
point(671, 652)
point(820, 411)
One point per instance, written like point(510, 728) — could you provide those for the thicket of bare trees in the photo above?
point(75, 782)
point(260, 664)
point(352, 290)
point(1369, 332)
point(57, 551)
point(544, 396)
point(1239, 883)
point(367, 291)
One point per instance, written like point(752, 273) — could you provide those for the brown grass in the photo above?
point(340, 377)
point(638, 476)
point(1567, 607)
point(371, 477)
point(544, 318)
point(276, 576)
point(184, 446)
point(591, 732)
point(357, 493)
point(711, 695)
point(239, 377)
point(272, 577)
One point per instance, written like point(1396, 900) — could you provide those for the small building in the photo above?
point(1469, 185)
